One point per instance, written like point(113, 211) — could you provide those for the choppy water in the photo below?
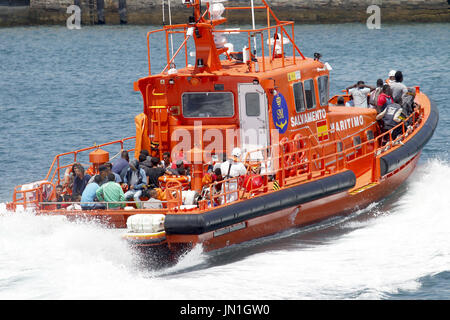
point(63, 89)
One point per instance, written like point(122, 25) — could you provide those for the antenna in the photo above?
point(254, 38)
point(171, 35)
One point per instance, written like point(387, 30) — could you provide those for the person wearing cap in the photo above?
point(359, 92)
point(179, 169)
point(233, 168)
point(136, 179)
point(391, 78)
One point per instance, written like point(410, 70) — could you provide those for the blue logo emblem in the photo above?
point(280, 113)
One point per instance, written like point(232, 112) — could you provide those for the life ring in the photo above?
point(91, 171)
point(287, 157)
point(173, 194)
point(183, 180)
point(300, 144)
point(68, 181)
point(173, 183)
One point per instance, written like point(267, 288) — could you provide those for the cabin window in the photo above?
point(357, 142)
point(252, 104)
point(299, 97)
point(323, 90)
point(310, 94)
point(208, 104)
point(369, 135)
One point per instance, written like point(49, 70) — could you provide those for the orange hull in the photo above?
point(303, 215)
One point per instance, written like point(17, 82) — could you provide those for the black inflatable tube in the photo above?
point(258, 206)
point(399, 157)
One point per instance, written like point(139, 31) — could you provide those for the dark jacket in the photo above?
point(142, 179)
point(80, 184)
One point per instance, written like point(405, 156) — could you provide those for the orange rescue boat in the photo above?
point(305, 158)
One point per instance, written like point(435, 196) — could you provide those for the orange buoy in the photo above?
point(99, 156)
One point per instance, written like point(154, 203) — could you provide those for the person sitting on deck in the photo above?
point(59, 197)
point(109, 170)
point(211, 177)
point(121, 165)
point(253, 180)
point(155, 172)
point(90, 194)
point(75, 205)
point(80, 179)
point(180, 163)
point(391, 116)
point(67, 183)
point(179, 169)
point(359, 92)
point(385, 97)
point(111, 192)
point(66, 198)
point(145, 163)
point(136, 179)
point(145, 153)
point(153, 202)
point(340, 101)
point(408, 102)
point(103, 171)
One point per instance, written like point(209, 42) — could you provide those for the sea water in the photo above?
point(62, 89)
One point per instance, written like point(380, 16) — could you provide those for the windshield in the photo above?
point(208, 104)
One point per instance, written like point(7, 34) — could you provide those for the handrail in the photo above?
point(75, 153)
point(169, 29)
point(106, 203)
point(303, 170)
point(416, 118)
